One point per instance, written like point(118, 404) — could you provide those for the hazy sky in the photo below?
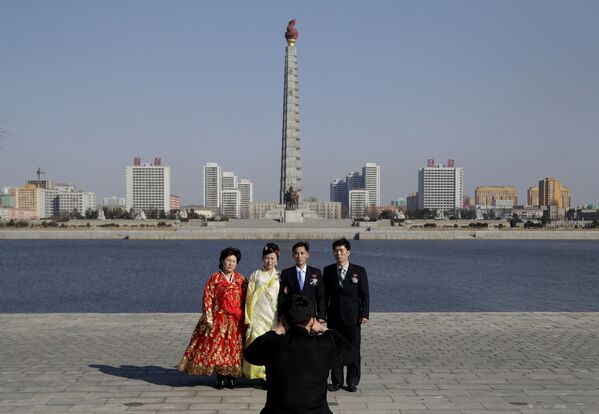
point(509, 89)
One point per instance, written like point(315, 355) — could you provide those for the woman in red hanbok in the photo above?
point(216, 343)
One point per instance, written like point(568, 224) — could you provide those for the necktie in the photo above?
point(341, 275)
point(300, 279)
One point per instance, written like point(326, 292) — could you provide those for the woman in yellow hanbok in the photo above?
point(261, 305)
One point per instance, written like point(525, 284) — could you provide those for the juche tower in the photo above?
point(291, 162)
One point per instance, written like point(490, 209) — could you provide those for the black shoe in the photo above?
point(263, 384)
point(334, 387)
point(220, 382)
point(352, 388)
point(230, 383)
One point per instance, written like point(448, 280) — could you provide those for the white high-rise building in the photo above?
point(229, 181)
point(440, 187)
point(76, 201)
point(49, 203)
point(230, 204)
point(371, 174)
point(65, 199)
point(148, 186)
point(358, 203)
point(114, 202)
point(212, 185)
point(246, 190)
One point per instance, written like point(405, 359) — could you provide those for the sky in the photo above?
point(508, 89)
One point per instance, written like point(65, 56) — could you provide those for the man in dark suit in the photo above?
point(304, 280)
point(298, 356)
point(347, 301)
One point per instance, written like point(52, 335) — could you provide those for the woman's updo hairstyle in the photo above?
point(270, 248)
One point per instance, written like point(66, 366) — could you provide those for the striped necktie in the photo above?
point(341, 272)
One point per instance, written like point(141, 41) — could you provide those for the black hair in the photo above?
point(342, 242)
point(270, 248)
point(303, 244)
point(229, 251)
point(296, 310)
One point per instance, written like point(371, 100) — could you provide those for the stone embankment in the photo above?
point(296, 233)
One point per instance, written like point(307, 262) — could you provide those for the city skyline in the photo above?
point(225, 191)
point(493, 86)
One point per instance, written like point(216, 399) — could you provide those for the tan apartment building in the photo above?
point(566, 197)
point(28, 197)
point(553, 193)
point(496, 195)
point(532, 196)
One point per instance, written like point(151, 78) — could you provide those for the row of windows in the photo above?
point(147, 177)
point(147, 173)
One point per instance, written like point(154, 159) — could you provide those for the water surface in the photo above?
point(404, 276)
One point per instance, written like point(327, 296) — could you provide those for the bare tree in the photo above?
point(3, 134)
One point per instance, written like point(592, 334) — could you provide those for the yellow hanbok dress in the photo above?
point(260, 312)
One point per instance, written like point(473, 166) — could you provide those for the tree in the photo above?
point(371, 213)
point(386, 214)
point(515, 220)
point(531, 225)
point(107, 212)
point(469, 214)
point(75, 214)
point(465, 213)
point(130, 214)
point(429, 213)
point(91, 214)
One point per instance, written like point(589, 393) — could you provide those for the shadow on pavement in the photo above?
point(163, 376)
point(155, 375)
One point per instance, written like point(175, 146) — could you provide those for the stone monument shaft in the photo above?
point(291, 163)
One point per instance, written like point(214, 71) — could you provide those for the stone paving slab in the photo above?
point(413, 363)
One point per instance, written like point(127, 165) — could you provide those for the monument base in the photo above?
point(292, 216)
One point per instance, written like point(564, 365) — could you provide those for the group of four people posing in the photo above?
point(237, 313)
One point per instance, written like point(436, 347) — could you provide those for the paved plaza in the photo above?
point(412, 363)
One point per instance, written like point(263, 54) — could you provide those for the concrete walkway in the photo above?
point(412, 363)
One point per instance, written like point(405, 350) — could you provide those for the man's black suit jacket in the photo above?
point(313, 288)
point(297, 367)
point(346, 304)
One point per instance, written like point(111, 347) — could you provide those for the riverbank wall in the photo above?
point(296, 233)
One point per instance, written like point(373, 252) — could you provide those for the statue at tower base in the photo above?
point(291, 199)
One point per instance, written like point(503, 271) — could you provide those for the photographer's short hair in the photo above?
point(296, 310)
